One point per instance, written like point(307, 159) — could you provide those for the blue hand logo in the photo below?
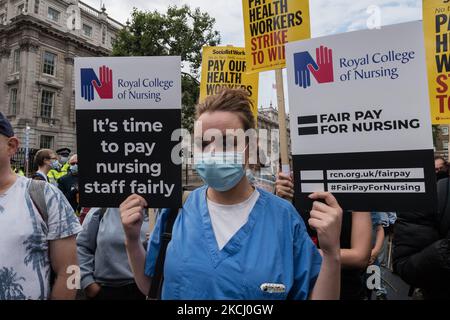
point(302, 74)
point(87, 88)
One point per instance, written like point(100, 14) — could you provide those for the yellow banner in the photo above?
point(269, 25)
point(436, 19)
point(226, 67)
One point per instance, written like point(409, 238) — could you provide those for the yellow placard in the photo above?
point(269, 25)
point(226, 67)
point(436, 19)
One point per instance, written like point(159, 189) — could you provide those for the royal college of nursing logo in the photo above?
point(321, 68)
point(90, 81)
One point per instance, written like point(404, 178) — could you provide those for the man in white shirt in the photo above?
point(33, 244)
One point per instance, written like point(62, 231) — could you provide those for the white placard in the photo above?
point(359, 113)
point(374, 96)
point(128, 83)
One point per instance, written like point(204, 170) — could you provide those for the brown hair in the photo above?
point(230, 100)
point(42, 155)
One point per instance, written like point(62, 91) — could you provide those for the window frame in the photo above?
point(16, 61)
point(51, 142)
point(49, 17)
point(41, 104)
point(84, 33)
point(55, 63)
point(13, 110)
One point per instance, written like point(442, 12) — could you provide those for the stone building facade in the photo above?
point(441, 141)
point(38, 43)
point(268, 119)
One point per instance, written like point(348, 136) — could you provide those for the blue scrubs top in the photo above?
point(272, 247)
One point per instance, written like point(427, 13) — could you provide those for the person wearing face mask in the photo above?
point(69, 183)
point(45, 160)
point(231, 240)
point(55, 174)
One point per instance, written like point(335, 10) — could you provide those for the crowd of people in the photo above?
point(231, 239)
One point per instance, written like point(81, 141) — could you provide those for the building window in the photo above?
point(445, 145)
point(49, 63)
point(13, 101)
point(47, 103)
point(16, 61)
point(53, 14)
point(444, 131)
point(20, 8)
point(87, 30)
point(113, 41)
point(46, 142)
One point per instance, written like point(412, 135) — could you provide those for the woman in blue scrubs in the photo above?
point(231, 240)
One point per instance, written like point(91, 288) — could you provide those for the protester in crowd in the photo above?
point(355, 243)
point(378, 238)
point(230, 238)
point(16, 169)
point(422, 247)
point(37, 233)
point(68, 184)
point(441, 168)
point(105, 271)
point(63, 155)
point(56, 173)
point(45, 160)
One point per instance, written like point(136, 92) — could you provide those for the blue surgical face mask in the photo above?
point(74, 169)
point(55, 165)
point(222, 171)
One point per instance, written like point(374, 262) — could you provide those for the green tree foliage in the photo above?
point(181, 31)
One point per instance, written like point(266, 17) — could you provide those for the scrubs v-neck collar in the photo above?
point(237, 240)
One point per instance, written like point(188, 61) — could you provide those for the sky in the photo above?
point(327, 17)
